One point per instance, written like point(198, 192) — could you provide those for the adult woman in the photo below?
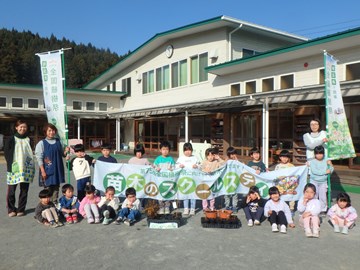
point(49, 154)
point(20, 168)
point(315, 137)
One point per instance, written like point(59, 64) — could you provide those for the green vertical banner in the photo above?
point(52, 78)
point(340, 145)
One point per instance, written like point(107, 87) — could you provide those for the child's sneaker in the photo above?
point(256, 222)
point(192, 212)
point(97, 220)
point(274, 227)
point(106, 221)
point(53, 224)
point(128, 222)
point(250, 223)
point(69, 220)
point(119, 220)
point(308, 233)
point(74, 218)
point(315, 234)
point(283, 228)
point(336, 228)
point(106, 214)
point(90, 220)
point(345, 230)
point(167, 211)
point(161, 211)
point(235, 210)
point(186, 211)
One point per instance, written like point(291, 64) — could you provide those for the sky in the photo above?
point(123, 25)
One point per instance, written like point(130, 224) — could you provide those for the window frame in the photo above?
point(81, 105)
point(33, 99)
point(17, 107)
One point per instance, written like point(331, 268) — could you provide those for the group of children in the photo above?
point(279, 213)
point(88, 203)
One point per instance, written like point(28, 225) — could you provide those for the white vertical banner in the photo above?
point(340, 143)
point(52, 78)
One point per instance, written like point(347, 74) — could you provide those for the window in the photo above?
point(108, 87)
point(102, 107)
point(179, 73)
point(90, 106)
point(77, 105)
point(162, 78)
point(250, 87)
point(353, 72)
point(2, 101)
point(114, 86)
point(235, 89)
point(198, 64)
point(247, 53)
point(126, 86)
point(148, 82)
point(287, 81)
point(321, 76)
point(17, 102)
point(268, 84)
point(33, 103)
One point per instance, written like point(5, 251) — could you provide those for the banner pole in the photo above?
point(65, 111)
point(327, 126)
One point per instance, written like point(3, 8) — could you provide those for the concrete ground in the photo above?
point(26, 244)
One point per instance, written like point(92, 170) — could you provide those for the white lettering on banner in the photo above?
point(186, 184)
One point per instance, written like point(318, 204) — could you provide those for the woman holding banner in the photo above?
point(20, 168)
point(315, 137)
point(49, 153)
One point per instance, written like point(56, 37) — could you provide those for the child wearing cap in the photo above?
point(105, 151)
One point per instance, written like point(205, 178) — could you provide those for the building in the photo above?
point(229, 82)
point(88, 113)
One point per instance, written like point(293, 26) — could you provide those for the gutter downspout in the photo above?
point(230, 47)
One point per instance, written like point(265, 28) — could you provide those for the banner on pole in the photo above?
point(52, 78)
point(340, 144)
point(234, 177)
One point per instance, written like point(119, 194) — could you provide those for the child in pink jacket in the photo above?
point(88, 206)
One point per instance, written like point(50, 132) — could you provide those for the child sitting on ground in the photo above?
point(88, 206)
point(256, 162)
point(309, 208)
point(210, 164)
point(69, 204)
point(253, 206)
point(130, 209)
point(278, 212)
point(81, 168)
point(342, 214)
point(45, 211)
point(106, 154)
point(109, 205)
point(164, 162)
point(231, 155)
point(188, 160)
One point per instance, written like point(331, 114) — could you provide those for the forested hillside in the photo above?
point(19, 64)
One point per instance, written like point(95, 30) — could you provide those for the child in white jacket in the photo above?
point(309, 208)
point(109, 205)
point(278, 212)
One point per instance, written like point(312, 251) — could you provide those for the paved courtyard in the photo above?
point(26, 244)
